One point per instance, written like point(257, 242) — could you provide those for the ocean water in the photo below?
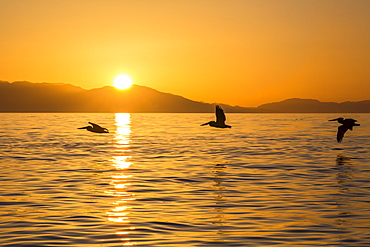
point(163, 180)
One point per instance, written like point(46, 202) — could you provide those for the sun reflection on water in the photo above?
point(120, 211)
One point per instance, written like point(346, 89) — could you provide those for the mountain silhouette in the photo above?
point(60, 97)
point(296, 105)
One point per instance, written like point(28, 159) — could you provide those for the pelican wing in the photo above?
point(341, 131)
point(220, 115)
point(95, 125)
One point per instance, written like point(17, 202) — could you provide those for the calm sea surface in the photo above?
point(163, 180)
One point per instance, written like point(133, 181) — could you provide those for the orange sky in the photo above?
point(238, 52)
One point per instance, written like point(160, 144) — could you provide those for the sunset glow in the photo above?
point(122, 82)
point(234, 52)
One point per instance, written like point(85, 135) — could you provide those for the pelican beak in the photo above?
point(83, 127)
point(334, 119)
point(204, 124)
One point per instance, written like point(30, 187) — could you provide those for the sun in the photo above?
point(122, 82)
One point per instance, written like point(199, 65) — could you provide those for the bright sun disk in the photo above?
point(122, 82)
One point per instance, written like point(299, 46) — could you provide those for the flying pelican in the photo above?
point(220, 119)
point(95, 128)
point(347, 124)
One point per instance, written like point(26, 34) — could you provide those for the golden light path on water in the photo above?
point(119, 213)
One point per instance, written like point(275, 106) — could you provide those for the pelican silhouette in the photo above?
point(347, 124)
point(220, 119)
point(95, 128)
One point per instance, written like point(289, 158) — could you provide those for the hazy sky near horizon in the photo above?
point(238, 52)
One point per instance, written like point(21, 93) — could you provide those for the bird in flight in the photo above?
point(95, 128)
point(220, 119)
point(347, 124)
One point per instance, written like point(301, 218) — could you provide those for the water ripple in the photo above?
point(161, 180)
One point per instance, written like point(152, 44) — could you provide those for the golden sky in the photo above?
point(238, 52)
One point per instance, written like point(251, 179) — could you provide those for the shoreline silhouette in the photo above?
point(59, 97)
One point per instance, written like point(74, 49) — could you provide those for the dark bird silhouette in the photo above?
point(220, 119)
point(95, 128)
point(347, 124)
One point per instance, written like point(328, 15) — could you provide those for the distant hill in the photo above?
point(296, 105)
point(59, 97)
